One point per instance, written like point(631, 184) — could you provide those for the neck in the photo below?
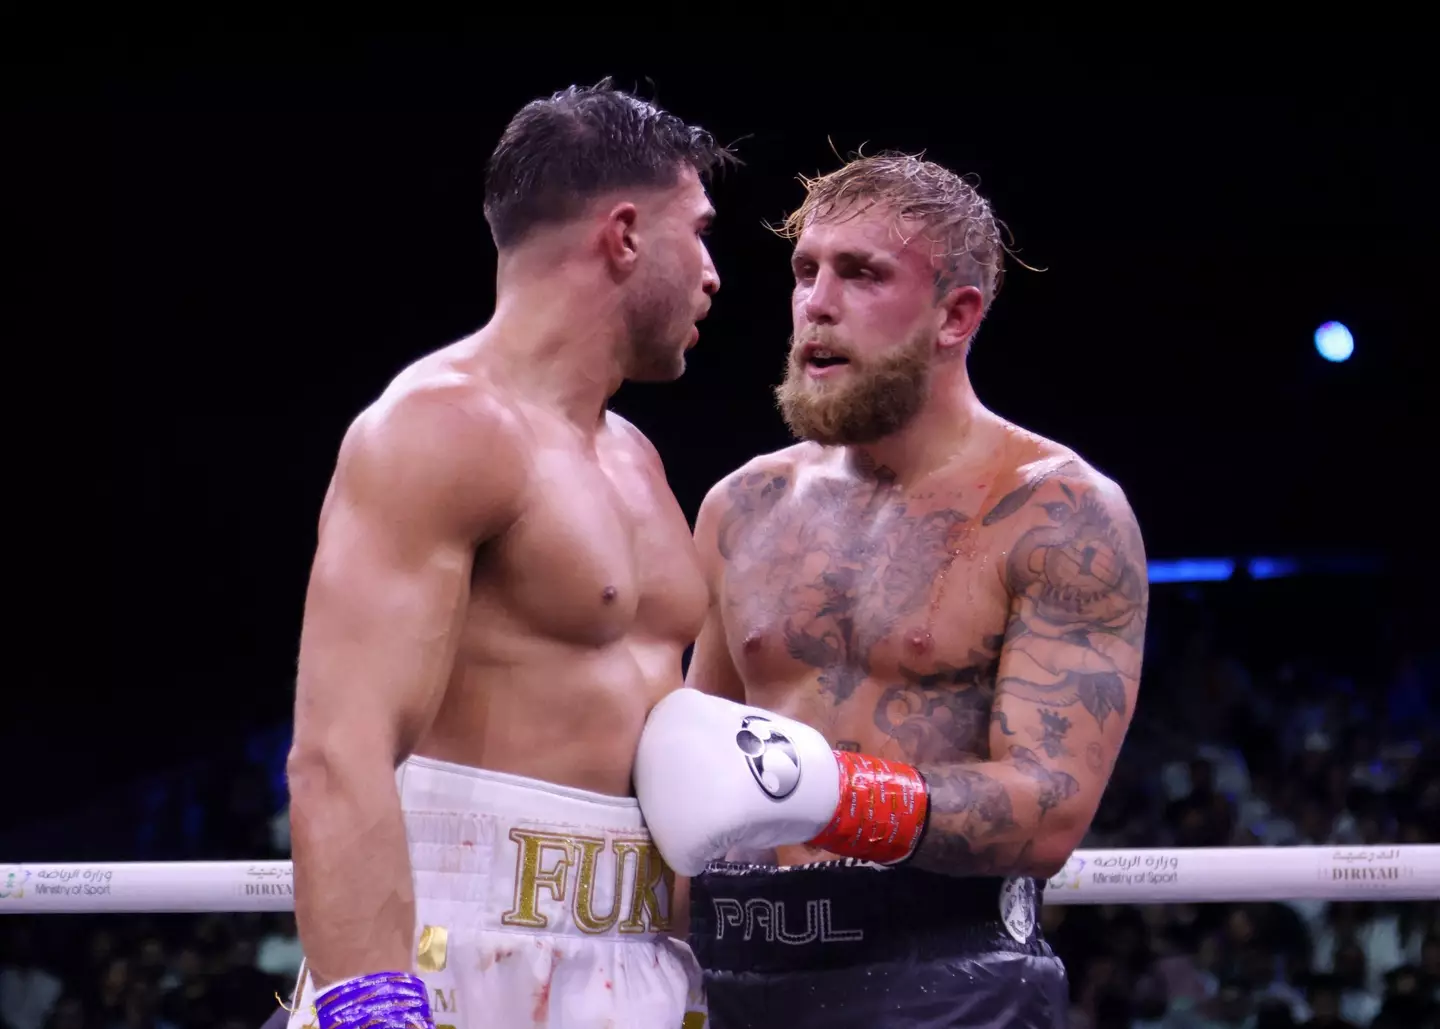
point(559, 330)
point(932, 439)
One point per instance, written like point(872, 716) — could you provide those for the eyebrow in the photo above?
point(871, 257)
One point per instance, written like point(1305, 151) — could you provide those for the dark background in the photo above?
point(277, 227)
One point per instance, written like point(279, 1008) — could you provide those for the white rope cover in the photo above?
point(1182, 876)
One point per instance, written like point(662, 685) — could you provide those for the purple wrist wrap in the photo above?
point(392, 1000)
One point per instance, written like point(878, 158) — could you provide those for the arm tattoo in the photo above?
point(943, 715)
point(1074, 640)
point(1016, 499)
point(1055, 787)
point(975, 802)
point(1052, 736)
point(1078, 622)
point(971, 819)
point(973, 829)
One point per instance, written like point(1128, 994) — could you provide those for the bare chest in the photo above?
point(871, 616)
point(602, 551)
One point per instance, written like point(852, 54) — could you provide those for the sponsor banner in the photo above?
point(1120, 876)
point(1113, 872)
point(1363, 869)
point(154, 887)
point(1208, 875)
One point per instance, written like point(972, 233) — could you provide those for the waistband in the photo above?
point(842, 913)
point(493, 852)
point(431, 785)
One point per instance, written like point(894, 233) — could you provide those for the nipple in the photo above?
point(920, 641)
point(753, 641)
point(609, 594)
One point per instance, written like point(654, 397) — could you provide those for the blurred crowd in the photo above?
point(1242, 740)
point(1254, 729)
point(225, 971)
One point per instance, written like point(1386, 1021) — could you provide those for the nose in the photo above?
point(709, 277)
point(821, 305)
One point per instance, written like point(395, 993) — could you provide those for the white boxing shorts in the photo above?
point(536, 905)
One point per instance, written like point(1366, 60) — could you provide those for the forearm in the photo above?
point(354, 895)
point(996, 818)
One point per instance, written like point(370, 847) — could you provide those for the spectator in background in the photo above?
point(1288, 751)
point(69, 1013)
point(1325, 1004)
point(279, 953)
point(28, 990)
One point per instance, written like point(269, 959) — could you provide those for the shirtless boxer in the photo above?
point(922, 655)
point(503, 587)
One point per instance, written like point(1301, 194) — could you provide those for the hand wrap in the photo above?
point(392, 1000)
point(882, 810)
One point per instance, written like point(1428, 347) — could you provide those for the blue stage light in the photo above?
point(1334, 342)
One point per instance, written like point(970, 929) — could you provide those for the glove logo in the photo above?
point(771, 756)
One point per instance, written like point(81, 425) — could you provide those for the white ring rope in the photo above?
point(1133, 876)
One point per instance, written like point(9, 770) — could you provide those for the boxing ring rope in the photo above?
point(1191, 875)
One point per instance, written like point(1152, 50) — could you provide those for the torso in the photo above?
point(873, 612)
point(579, 614)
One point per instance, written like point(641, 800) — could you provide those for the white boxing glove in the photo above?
point(711, 775)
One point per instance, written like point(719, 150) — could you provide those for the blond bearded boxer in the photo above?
point(922, 658)
point(503, 587)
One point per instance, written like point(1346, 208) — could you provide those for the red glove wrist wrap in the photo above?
point(882, 810)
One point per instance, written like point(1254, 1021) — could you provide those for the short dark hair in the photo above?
point(559, 153)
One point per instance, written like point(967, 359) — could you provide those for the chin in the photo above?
point(656, 371)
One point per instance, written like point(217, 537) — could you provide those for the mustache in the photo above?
point(820, 337)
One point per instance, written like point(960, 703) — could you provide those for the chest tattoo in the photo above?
point(837, 569)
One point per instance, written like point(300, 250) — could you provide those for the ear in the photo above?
point(962, 309)
point(619, 238)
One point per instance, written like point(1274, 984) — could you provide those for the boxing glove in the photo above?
point(711, 775)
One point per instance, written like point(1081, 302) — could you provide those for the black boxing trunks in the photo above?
point(846, 945)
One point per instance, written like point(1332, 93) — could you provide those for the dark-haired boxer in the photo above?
point(503, 587)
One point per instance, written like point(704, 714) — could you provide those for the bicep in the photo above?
point(1069, 672)
point(390, 582)
point(383, 614)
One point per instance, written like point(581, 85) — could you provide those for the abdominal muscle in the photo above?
point(565, 715)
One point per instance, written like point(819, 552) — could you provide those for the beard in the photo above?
point(658, 318)
point(865, 404)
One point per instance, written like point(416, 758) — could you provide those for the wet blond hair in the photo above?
point(969, 248)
